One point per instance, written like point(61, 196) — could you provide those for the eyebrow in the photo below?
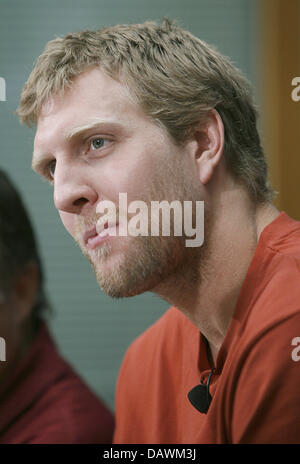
point(76, 131)
point(38, 159)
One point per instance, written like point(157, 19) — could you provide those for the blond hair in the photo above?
point(174, 76)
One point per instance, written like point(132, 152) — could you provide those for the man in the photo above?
point(151, 111)
point(42, 400)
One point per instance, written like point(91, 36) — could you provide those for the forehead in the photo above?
point(93, 95)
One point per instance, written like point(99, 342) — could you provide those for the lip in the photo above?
point(92, 238)
point(89, 233)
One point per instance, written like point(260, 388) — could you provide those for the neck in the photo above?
point(222, 262)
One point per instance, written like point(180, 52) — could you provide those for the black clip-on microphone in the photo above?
point(200, 397)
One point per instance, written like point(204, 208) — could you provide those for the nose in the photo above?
point(72, 191)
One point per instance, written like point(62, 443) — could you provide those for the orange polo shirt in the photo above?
point(255, 387)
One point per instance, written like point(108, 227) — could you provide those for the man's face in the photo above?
point(96, 143)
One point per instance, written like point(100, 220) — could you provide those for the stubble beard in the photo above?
point(142, 264)
point(147, 262)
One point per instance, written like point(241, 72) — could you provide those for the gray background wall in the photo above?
point(92, 330)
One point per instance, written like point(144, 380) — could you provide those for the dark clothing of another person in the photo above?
point(45, 401)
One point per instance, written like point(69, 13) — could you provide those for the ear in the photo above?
point(209, 147)
point(25, 291)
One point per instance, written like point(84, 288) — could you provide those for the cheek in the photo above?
point(68, 221)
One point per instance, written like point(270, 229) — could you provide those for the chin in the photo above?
point(140, 267)
point(125, 283)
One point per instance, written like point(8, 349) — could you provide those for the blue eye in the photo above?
point(52, 168)
point(97, 143)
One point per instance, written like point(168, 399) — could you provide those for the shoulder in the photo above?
point(262, 366)
point(266, 385)
point(73, 413)
point(272, 293)
point(158, 340)
point(149, 375)
point(150, 356)
point(277, 296)
point(272, 316)
point(264, 362)
point(58, 406)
